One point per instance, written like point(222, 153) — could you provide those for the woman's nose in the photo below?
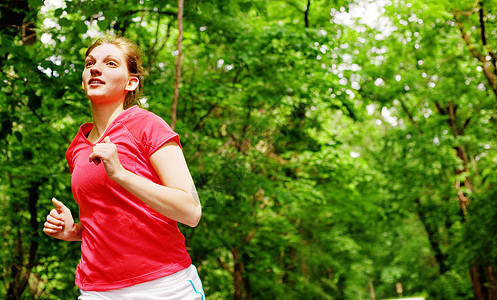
point(94, 70)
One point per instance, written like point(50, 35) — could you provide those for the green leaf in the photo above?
point(64, 22)
point(58, 12)
point(18, 136)
point(104, 24)
point(81, 27)
point(35, 4)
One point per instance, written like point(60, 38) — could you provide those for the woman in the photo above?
point(132, 184)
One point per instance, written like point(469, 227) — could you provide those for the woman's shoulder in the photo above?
point(136, 113)
point(143, 123)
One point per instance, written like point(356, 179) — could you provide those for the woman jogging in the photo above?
point(132, 184)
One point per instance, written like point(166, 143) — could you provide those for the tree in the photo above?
point(334, 159)
point(423, 77)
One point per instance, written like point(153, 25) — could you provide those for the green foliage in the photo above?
point(325, 152)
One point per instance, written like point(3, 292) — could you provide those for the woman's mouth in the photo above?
point(95, 82)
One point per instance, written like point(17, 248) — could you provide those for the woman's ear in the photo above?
point(132, 84)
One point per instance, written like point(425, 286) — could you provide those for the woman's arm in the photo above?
point(176, 198)
point(60, 224)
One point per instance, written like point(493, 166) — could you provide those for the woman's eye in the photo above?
point(89, 64)
point(112, 64)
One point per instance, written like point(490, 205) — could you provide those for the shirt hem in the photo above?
point(98, 287)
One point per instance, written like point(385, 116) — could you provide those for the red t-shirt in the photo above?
point(125, 241)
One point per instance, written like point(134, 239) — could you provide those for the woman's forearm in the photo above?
point(176, 204)
point(175, 198)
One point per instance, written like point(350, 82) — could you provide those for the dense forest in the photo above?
point(341, 149)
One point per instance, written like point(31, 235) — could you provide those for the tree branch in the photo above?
point(481, 14)
point(306, 14)
point(483, 34)
point(152, 52)
point(467, 13)
point(409, 115)
point(162, 12)
point(489, 68)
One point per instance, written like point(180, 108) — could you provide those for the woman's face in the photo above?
point(106, 78)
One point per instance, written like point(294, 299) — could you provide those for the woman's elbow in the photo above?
point(195, 217)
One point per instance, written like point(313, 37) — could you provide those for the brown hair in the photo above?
point(133, 55)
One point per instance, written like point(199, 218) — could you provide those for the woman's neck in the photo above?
point(103, 115)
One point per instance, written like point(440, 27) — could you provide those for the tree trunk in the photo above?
point(246, 281)
point(237, 274)
point(16, 20)
point(371, 289)
point(478, 47)
point(475, 280)
point(482, 288)
point(178, 66)
point(432, 238)
point(492, 288)
point(20, 269)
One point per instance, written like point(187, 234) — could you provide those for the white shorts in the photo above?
point(182, 285)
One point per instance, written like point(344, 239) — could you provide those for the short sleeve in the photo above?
point(150, 131)
point(156, 135)
point(70, 163)
point(70, 154)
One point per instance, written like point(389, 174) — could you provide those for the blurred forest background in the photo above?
point(342, 149)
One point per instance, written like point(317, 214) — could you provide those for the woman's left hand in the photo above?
point(106, 152)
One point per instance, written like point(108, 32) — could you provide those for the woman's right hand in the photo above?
point(60, 223)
